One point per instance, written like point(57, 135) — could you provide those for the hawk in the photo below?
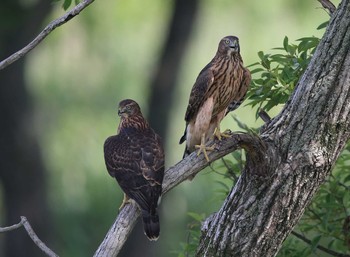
point(220, 88)
point(135, 158)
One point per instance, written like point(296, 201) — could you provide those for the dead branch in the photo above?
point(43, 34)
point(25, 223)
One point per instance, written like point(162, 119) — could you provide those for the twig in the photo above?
point(10, 228)
point(24, 222)
point(320, 247)
point(264, 116)
point(43, 34)
point(186, 168)
point(328, 5)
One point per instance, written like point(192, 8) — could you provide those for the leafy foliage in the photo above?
point(277, 74)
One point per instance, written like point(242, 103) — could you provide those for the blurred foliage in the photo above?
point(326, 221)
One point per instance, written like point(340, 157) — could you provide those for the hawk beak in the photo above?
point(234, 46)
point(119, 113)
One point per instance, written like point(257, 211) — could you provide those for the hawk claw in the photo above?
point(203, 149)
point(219, 135)
point(126, 200)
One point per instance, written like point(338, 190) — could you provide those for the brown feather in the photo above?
point(224, 80)
point(135, 157)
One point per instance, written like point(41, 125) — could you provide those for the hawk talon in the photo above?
point(126, 200)
point(203, 149)
point(219, 135)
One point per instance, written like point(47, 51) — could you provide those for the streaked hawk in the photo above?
point(220, 87)
point(135, 157)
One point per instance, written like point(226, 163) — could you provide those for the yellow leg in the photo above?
point(126, 200)
point(203, 149)
point(219, 135)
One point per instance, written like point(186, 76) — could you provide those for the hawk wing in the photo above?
point(199, 90)
point(136, 160)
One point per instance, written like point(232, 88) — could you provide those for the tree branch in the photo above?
point(25, 223)
point(328, 5)
point(43, 34)
point(320, 247)
point(188, 167)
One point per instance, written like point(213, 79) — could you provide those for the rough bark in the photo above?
point(305, 140)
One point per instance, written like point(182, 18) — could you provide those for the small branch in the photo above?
point(264, 116)
point(328, 5)
point(10, 228)
point(320, 247)
point(184, 169)
point(36, 239)
point(24, 222)
point(43, 34)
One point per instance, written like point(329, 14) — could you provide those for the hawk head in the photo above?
point(229, 45)
point(128, 108)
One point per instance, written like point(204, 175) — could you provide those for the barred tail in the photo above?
point(151, 225)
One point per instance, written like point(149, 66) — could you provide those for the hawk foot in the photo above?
point(219, 135)
point(203, 149)
point(126, 200)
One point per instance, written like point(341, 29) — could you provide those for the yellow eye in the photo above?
point(227, 41)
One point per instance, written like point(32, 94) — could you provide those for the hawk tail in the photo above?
point(151, 225)
point(183, 138)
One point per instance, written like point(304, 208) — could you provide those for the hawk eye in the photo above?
point(227, 41)
point(128, 107)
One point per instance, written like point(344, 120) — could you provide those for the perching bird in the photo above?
point(135, 157)
point(220, 87)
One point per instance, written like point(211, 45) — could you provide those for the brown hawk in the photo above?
point(220, 87)
point(135, 157)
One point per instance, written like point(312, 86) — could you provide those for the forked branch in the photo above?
point(24, 222)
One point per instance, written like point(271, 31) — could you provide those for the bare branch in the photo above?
point(328, 5)
point(184, 169)
point(10, 228)
point(320, 247)
point(24, 222)
point(36, 239)
point(47, 30)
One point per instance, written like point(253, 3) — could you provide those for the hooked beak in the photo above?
point(234, 45)
point(119, 113)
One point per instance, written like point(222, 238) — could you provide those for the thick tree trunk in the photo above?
point(301, 146)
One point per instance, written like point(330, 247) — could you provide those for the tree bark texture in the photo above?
point(301, 146)
point(22, 173)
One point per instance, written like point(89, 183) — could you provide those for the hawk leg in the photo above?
point(219, 135)
point(126, 200)
point(203, 149)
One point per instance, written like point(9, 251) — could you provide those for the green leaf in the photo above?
point(196, 216)
point(66, 4)
point(285, 43)
point(323, 25)
point(315, 241)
